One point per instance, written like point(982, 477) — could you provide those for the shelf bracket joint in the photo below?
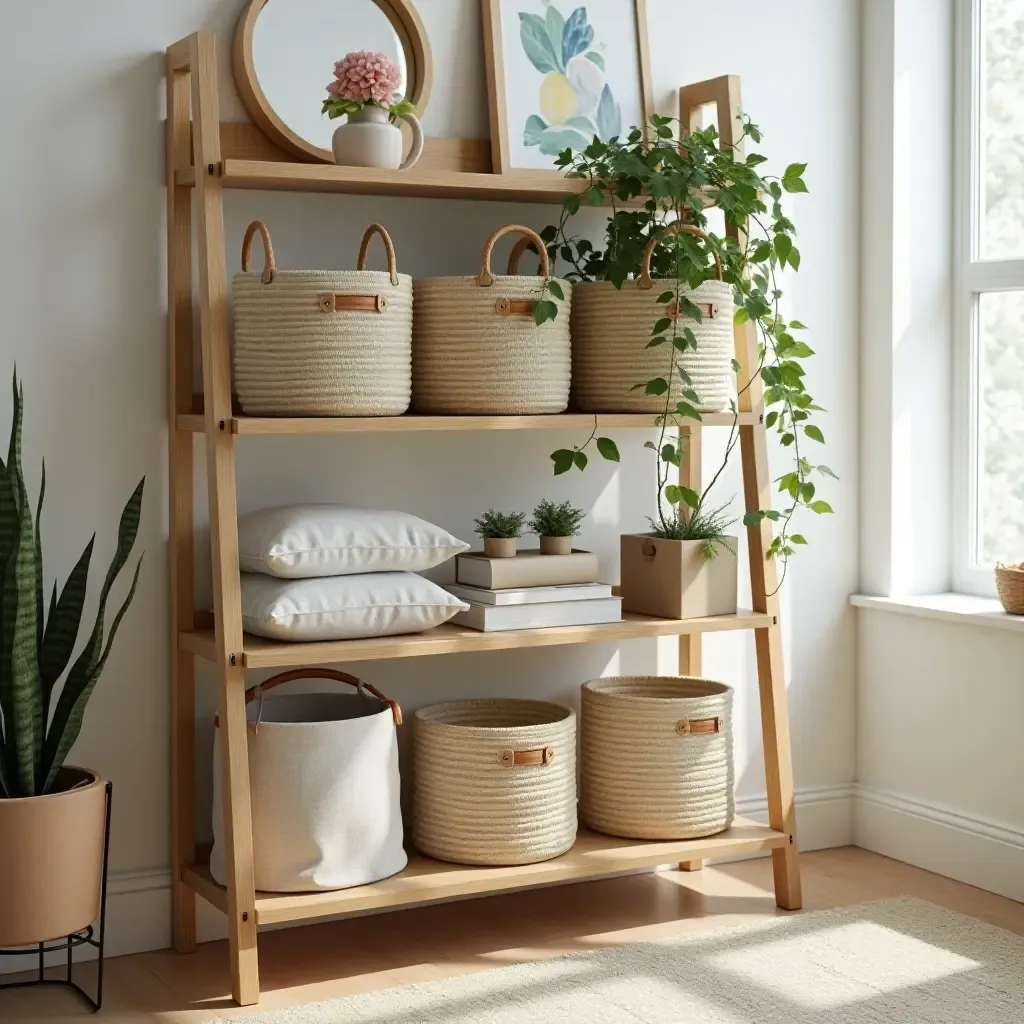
point(233, 660)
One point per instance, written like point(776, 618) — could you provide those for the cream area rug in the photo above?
point(899, 961)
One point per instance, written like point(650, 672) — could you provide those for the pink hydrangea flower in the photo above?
point(365, 77)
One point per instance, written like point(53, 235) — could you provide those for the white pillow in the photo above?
point(300, 541)
point(344, 607)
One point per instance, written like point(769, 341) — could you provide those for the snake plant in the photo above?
point(39, 724)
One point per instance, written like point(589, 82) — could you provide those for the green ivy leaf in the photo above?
point(821, 507)
point(666, 297)
point(580, 458)
point(608, 450)
point(691, 497)
point(753, 519)
point(673, 494)
point(783, 247)
point(741, 316)
point(797, 538)
point(687, 410)
point(544, 311)
point(655, 342)
point(771, 419)
point(563, 460)
point(556, 289)
point(658, 386)
point(814, 433)
point(661, 326)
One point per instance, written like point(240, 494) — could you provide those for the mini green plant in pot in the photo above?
point(556, 525)
point(500, 532)
point(52, 816)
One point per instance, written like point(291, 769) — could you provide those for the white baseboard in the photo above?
point(139, 902)
point(983, 853)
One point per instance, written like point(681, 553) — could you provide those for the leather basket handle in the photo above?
point(522, 246)
point(364, 246)
point(320, 673)
point(521, 758)
point(645, 280)
point(485, 279)
point(700, 726)
point(269, 267)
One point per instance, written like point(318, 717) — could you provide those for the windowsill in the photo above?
point(959, 608)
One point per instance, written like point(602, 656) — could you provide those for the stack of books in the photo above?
point(532, 591)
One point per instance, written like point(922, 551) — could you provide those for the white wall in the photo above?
point(83, 296)
point(940, 701)
point(939, 749)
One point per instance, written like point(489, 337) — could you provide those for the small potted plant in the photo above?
point(684, 568)
point(365, 90)
point(52, 816)
point(556, 525)
point(500, 531)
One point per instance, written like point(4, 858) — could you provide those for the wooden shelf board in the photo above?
point(449, 639)
point(426, 880)
point(250, 425)
point(426, 183)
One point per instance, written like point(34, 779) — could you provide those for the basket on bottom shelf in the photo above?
point(656, 756)
point(494, 781)
point(323, 775)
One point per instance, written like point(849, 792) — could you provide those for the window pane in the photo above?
point(1002, 127)
point(1001, 427)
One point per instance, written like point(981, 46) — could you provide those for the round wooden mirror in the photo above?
point(285, 52)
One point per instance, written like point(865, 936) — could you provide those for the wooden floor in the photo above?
point(315, 962)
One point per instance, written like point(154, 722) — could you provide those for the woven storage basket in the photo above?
point(656, 757)
point(322, 342)
point(476, 348)
point(1010, 584)
point(611, 328)
point(494, 781)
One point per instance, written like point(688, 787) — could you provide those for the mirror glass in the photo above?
point(295, 44)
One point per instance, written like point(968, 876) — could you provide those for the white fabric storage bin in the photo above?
point(323, 777)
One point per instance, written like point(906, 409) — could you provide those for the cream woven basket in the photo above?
point(477, 349)
point(611, 328)
point(494, 781)
point(322, 342)
point(656, 755)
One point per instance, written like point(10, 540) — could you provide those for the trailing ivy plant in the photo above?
point(651, 182)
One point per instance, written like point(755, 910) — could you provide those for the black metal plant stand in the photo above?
point(81, 938)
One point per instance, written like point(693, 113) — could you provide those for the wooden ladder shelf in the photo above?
point(197, 174)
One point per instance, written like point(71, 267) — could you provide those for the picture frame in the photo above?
point(561, 71)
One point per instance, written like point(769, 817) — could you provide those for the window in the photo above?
point(989, 301)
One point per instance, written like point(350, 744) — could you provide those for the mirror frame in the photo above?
point(419, 69)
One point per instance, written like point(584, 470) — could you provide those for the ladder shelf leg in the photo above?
point(220, 464)
point(724, 93)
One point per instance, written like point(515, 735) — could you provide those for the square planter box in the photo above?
point(671, 579)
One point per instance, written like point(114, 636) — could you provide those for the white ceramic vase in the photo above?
point(369, 139)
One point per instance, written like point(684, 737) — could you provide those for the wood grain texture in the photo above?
point(240, 140)
point(180, 542)
point(449, 639)
point(417, 182)
point(220, 466)
point(430, 424)
point(413, 38)
point(757, 492)
point(427, 880)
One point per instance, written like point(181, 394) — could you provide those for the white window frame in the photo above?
point(972, 277)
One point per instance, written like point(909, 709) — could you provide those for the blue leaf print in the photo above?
point(534, 129)
point(533, 32)
point(576, 36)
point(609, 115)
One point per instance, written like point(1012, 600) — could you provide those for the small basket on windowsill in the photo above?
point(1010, 584)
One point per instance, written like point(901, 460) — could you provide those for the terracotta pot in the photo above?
point(51, 860)
point(500, 547)
point(671, 579)
point(556, 545)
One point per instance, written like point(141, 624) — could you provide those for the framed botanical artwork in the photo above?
point(560, 72)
